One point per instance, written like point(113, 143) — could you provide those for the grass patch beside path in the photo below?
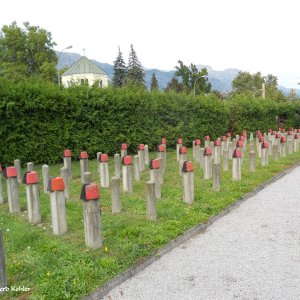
point(63, 268)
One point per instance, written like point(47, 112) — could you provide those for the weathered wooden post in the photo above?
point(136, 166)
point(1, 187)
point(64, 173)
point(17, 165)
point(283, 146)
point(150, 201)
point(124, 147)
point(193, 148)
point(202, 158)
point(240, 147)
point(217, 151)
point(206, 141)
point(236, 165)
point(225, 160)
point(127, 174)
point(115, 195)
point(207, 163)
point(228, 137)
point(197, 150)
point(182, 158)
point(296, 142)
point(275, 151)
point(33, 197)
point(12, 189)
point(188, 182)
point(290, 142)
point(58, 205)
point(154, 167)
point(30, 166)
point(104, 171)
point(230, 150)
point(46, 177)
point(259, 143)
point(141, 154)
point(212, 147)
point(83, 163)
point(223, 144)
point(164, 142)
point(3, 283)
point(98, 161)
point(264, 153)
point(244, 139)
point(117, 165)
point(161, 153)
point(68, 162)
point(216, 177)
point(252, 161)
point(90, 196)
point(146, 150)
point(178, 146)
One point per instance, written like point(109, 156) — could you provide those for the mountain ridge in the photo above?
point(220, 80)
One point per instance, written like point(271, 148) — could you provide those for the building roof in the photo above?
point(84, 65)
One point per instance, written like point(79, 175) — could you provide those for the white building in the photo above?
point(84, 71)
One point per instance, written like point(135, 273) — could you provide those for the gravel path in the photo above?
point(251, 253)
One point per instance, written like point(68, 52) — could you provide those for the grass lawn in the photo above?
point(63, 268)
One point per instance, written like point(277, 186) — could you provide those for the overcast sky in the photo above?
point(250, 35)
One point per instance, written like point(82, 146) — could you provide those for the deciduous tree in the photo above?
point(193, 78)
point(27, 52)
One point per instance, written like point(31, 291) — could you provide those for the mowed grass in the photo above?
point(61, 267)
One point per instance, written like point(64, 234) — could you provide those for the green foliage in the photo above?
point(154, 83)
point(119, 70)
point(174, 85)
point(252, 84)
point(64, 268)
point(193, 79)
point(39, 120)
point(135, 74)
point(27, 52)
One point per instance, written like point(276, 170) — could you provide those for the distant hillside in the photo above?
point(220, 80)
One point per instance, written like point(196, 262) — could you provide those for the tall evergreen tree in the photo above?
point(154, 83)
point(119, 70)
point(135, 73)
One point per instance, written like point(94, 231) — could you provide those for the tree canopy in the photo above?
point(27, 52)
point(192, 78)
point(252, 84)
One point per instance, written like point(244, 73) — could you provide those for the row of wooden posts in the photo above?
point(209, 158)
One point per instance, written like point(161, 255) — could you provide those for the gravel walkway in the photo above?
point(251, 253)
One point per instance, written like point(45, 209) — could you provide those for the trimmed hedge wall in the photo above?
point(38, 121)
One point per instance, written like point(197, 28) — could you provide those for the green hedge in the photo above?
point(38, 121)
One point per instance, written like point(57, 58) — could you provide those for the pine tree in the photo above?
point(135, 73)
point(154, 83)
point(119, 70)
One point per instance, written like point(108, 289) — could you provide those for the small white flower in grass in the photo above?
point(7, 229)
point(28, 247)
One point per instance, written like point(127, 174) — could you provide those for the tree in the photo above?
point(135, 74)
point(174, 85)
point(245, 82)
point(154, 83)
point(27, 52)
point(119, 70)
point(193, 78)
